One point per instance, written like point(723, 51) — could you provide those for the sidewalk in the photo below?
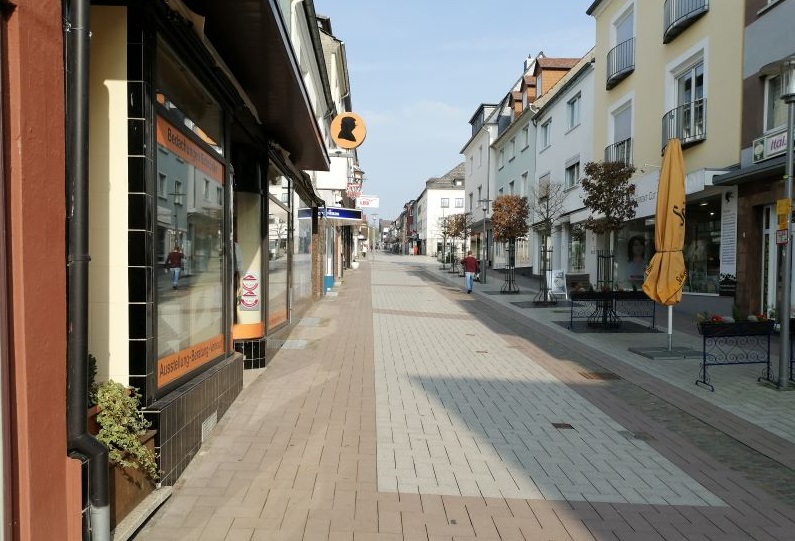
point(404, 408)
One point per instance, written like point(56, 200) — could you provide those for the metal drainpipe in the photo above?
point(76, 37)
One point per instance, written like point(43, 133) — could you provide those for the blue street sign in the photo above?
point(337, 213)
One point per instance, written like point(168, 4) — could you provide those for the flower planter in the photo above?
point(736, 328)
point(128, 486)
point(630, 296)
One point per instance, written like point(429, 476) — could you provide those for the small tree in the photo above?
point(609, 194)
point(509, 222)
point(509, 218)
point(460, 227)
point(444, 225)
point(546, 202)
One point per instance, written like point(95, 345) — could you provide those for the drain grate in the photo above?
point(602, 376)
point(562, 426)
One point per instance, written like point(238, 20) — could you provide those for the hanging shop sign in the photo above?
point(348, 130)
point(368, 201)
point(336, 213)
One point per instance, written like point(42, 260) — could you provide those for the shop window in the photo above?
point(702, 245)
point(577, 249)
point(192, 266)
point(186, 100)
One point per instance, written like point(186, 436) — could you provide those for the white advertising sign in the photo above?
point(367, 201)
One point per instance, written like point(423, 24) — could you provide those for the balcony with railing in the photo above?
point(678, 15)
point(688, 123)
point(620, 151)
point(620, 62)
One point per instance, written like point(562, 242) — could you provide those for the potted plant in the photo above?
point(125, 432)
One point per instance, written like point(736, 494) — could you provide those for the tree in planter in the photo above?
point(461, 226)
point(610, 196)
point(444, 225)
point(122, 427)
point(509, 222)
point(547, 201)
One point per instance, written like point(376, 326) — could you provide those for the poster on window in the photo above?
point(556, 281)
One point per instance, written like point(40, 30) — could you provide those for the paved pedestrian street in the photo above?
point(402, 408)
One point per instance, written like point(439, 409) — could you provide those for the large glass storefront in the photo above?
point(280, 234)
point(702, 245)
point(302, 259)
point(635, 247)
point(189, 234)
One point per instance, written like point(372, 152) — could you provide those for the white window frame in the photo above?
point(546, 134)
point(573, 111)
point(162, 185)
point(572, 174)
point(777, 101)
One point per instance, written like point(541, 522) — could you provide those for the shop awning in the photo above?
point(251, 38)
point(766, 170)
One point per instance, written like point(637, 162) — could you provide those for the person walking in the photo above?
point(174, 263)
point(470, 265)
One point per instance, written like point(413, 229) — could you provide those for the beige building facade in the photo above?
point(666, 70)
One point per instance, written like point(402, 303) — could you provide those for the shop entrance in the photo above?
point(772, 263)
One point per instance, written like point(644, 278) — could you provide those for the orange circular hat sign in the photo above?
point(348, 130)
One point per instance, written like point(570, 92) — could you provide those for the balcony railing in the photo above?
point(620, 152)
point(679, 14)
point(688, 123)
point(620, 62)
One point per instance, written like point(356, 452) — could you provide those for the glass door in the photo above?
point(769, 260)
point(773, 264)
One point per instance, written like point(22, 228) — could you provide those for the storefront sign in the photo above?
point(340, 213)
point(348, 130)
point(176, 365)
point(769, 146)
point(178, 143)
point(248, 300)
point(368, 201)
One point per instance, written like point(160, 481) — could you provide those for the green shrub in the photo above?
point(122, 425)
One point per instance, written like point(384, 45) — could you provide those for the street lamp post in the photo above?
point(787, 74)
point(485, 259)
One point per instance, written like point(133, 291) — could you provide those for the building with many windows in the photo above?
point(191, 128)
point(666, 70)
point(754, 184)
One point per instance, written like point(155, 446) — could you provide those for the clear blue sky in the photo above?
point(420, 68)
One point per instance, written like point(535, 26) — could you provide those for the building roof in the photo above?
point(555, 63)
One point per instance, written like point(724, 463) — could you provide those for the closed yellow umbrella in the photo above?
point(666, 273)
